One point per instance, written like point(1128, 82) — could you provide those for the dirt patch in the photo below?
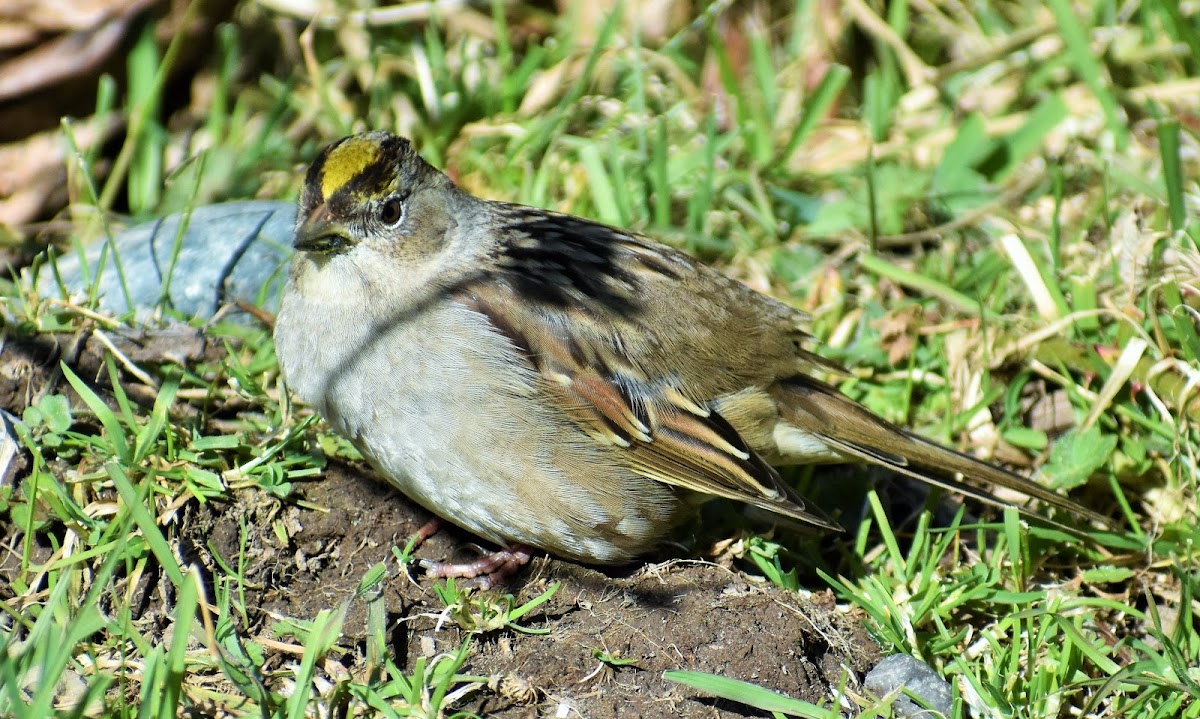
point(674, 615)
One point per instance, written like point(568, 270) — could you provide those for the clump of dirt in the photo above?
point(676, 615)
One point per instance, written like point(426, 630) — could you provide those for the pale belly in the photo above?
point(440, 408)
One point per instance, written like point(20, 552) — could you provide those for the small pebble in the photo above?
point(901, 671)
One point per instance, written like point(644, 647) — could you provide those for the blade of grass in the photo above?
point(923, 284)
point(186, 604)
point(599, 184)
point(1075, 36)
point(53, 642)
point(1185, 320)
point(136, 506)
point(144, 95)
point(1168, 147)
point(326, 628)
point(748, 694)
point(698, 206)
point(108, 419)
point(659, 179)
point(139, 115)
point(816, 107)
point(885, 531)
point(536, 142)
point(1184, 28)
point(1047, 296)
point(149, 434)
point(1015, 147)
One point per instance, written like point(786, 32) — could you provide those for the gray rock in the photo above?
point(228, 252)
point(900, 671)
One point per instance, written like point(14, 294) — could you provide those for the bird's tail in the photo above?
point(851, 429)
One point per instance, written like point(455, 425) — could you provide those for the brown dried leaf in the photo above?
point(898, 332)
point(1052, 413)
point(63, 15)
point(33, 171)
point(548, 85)
point(63, 57)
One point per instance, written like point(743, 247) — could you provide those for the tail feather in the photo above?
point(851, 429)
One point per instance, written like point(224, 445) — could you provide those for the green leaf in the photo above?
point(33, 417)
point(1076, 455)
point(1014, 148)
point(1026, 437)
point(765, 554)
point(1107, 575)
point(613, 660)
point(325, 630)
point(600, 183)
point(148, 437)
point(1169, 150)
point(924, 284)
point(816, 107)
point(217, 442)
point(186, 606)
point(534, 603)
point(57, 412)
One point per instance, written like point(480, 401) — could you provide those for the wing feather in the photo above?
point(659, 430)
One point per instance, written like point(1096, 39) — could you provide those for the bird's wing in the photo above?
point(570, 296)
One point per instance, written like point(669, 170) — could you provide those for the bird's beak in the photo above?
point(320, 234)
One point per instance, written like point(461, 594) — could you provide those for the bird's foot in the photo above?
point(426, 531)
point(486, 571)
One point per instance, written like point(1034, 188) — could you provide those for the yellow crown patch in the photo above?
point(346, 161)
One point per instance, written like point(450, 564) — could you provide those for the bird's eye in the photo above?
point(391, 212)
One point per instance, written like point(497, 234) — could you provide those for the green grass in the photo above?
point(1022, 228)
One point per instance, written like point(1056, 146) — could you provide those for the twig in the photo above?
point(1020, 38)
point(389, 15)
point(127, 363)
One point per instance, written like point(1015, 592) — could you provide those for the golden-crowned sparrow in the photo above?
point(547, 381)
